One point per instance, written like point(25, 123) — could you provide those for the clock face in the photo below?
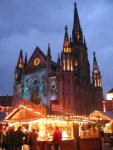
point(36, 61)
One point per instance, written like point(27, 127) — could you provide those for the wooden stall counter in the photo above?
point(90, 144)
point(65, 145)
point(68, 145)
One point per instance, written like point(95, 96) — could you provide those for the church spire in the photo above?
point(58, 60)
point(85, 43)
point(49, 51)
point(67, 53)
point(20, 63)
point(66, 46)
point(77, 32)
point(25, 60)
point(96, 76)
point(19, 68)
point(48, 60)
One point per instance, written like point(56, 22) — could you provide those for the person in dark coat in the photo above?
point(19, 138)
point(8, 138)
point(2, 138)
point(27, 133)
point(57, 138)
point(33, 140)
point(11, 135)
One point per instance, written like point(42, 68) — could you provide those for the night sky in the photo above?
point(26, 24)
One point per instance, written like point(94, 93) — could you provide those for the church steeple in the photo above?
point(85, 43)
point(58, 60)
point(49, 51)
point(48, 60)
point(19, 68)
point(20, 63)
point(96, 76)
point(67, 53)
point(77, 32)
point(25, 60)
point(66, 46)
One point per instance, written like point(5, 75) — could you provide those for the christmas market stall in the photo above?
point(30, 115)
point(103, 123)
point(89, 137)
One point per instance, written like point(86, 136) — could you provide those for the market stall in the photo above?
point(103, 121)
point(91, 133)
point(30, 115)
point(89, 138)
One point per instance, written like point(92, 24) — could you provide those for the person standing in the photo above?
point(2, 137)
point(57, 138)
point(33, 140)
point(10, 134)
point(19, 138)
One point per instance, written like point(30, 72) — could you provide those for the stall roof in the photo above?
point(101, 115)
point(25, 111)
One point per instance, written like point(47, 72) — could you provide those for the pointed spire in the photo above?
point(95, 65)
point(20, 63)
point(85, 42)
point(96, 76)
point(77, 32)
point(70, 39)
point(25, 60)
point(49, 51)
point(58, 60)
point(66, 46)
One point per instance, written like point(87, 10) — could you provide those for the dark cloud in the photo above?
point(26, 24)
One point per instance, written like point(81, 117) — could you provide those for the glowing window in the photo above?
point(71, 65)
point(76, 63)
point(64, 64)
point(68, 64)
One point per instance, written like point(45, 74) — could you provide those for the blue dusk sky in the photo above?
point(26, 24)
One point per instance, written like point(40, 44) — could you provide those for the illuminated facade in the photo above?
point(108, 103)
point(109, 95)
point(65, 83)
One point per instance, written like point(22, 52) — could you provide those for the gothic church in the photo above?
point(67, 83)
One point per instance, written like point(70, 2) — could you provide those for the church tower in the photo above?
point(18, 81)
point(76, 93)
point(66, 82)
point(96, 86)
point(79, 48)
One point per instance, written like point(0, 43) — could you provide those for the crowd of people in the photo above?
point(16, 139)
point(11, 139)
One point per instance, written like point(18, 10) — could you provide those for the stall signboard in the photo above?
point(55, 107)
